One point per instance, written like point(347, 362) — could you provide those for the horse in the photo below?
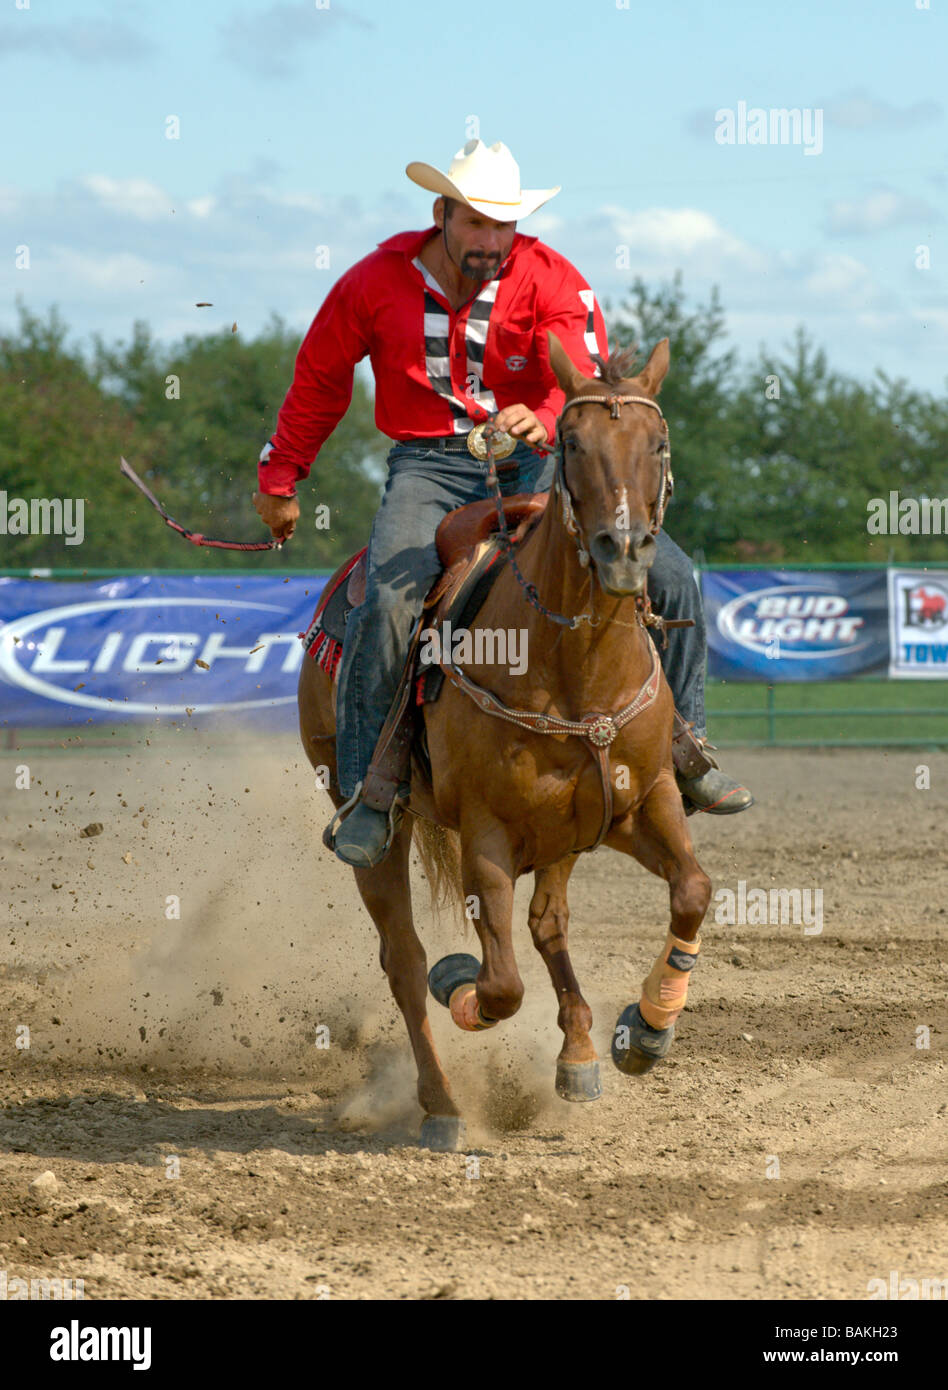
point(529, 770)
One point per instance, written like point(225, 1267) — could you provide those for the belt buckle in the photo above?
point(504, 444)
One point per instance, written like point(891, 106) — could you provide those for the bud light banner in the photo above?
point(796, 625)
point(162, 647)
point(918, 623)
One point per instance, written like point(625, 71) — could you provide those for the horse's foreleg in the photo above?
point(577, 1067)
point(488, 875)
point(657, 836)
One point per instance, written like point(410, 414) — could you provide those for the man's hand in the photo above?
point(521, 422)
point(279, 513)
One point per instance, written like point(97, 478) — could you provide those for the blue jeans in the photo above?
point(423, 486)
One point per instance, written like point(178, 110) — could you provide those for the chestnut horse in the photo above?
point(507, 797)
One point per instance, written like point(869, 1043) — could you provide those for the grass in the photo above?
point(830, 712)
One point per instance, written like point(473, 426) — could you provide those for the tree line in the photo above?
point(775, 461)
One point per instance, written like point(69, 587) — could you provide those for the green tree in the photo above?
point(65, 421)
point(204, 441)
point(816, 446)
point(56, 426)
point(777, 460)
point(774, 460)
point(696, 397)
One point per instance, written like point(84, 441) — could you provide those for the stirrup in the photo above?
point(394, 814)
point(329, 834)
point(690, 754)
point(690, 757)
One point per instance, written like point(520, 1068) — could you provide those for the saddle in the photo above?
point(472, 556)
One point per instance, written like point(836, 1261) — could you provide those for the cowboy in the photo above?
point(454, 320)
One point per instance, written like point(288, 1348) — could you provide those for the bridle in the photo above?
point(561, 487)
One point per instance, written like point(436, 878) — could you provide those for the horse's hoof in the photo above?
point(451, 982)
point(449, 972)
point(442, 1133)
point(636, 1046)
point(578, 1080)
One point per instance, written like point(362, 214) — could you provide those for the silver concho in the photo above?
point(600, 731)
point(504, 444)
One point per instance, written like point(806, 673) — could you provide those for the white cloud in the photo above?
point(108, 250)
point(269, 42)
point(118, 270)
point(84, 40)
point(671, 235)
point(542, 224)
point(860, 110)
point(615, 244)
point(202, 207)
point(840, 281)
point(883, 207)
point(808, 285)
point(137, 197)
point(931, 317)
point(306, 202)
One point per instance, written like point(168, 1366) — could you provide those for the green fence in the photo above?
point(829, 714)
point(865, 712)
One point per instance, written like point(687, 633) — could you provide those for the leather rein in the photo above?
point(598, 731)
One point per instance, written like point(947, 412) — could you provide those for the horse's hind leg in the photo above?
point(577, 1067)
point(657, 836)
point(386, 892)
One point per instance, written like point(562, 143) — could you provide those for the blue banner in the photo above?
point(162, 647)
point(796, 625)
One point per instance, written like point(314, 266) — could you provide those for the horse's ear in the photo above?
point(570, 379)
point(653, 373)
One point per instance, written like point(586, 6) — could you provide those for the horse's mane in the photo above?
point(617, 368)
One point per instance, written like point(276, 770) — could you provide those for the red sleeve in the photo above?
point(572, 312)
point(321, 389)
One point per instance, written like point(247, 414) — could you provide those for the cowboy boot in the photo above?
point(373, 814)
point(365, 836)
point(703, 786)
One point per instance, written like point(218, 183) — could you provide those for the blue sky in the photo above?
point(297, 120)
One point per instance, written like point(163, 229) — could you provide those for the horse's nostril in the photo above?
point(605, 548)
point(644, 550)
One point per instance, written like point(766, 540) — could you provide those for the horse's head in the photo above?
point(614, 472)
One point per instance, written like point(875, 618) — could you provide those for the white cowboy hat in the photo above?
point(487, 180)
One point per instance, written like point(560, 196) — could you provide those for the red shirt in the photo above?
point(437, 371)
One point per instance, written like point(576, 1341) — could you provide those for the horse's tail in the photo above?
point(440, 851)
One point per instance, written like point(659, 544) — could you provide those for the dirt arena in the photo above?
point(793, 1146)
